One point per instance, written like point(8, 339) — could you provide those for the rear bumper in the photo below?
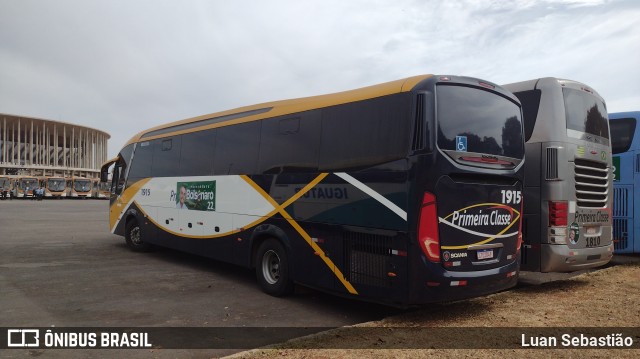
point(441, 285)
point(561, 258)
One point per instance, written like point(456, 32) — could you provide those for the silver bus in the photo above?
point(568, 191)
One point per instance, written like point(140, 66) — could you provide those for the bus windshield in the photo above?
point(622, 131)
point(31, 183)
point(82, 185)
point(467, 122)
point(585, 113)
point(56, 184)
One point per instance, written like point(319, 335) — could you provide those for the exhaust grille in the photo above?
point(552, 164)
point(620, 234)
point(620, 202)
point(592, 183)
point(368, 259)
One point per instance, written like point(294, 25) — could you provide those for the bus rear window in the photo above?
point(622, 131)
point(585, 113)
point(476, 120)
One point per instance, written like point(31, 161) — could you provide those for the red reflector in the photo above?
point(558, 212)
point(487, 85)
point(491, 160)
point(428, 228)
point(433, 284)
point(520, 235)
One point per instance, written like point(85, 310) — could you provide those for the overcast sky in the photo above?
point(122, 66)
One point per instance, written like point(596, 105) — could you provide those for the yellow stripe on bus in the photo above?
point(285, 107)
point(129, 193)
point(281, 208)
point(115, 213)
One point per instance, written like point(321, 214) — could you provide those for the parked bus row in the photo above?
point(52, 187)
point(430, 188)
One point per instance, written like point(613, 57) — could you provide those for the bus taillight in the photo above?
point(558, 211)
point(428, 228)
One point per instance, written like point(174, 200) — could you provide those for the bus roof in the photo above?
point(276, 108)
point(627, 114)
point(553, 81)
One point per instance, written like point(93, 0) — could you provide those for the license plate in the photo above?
point(485, 254)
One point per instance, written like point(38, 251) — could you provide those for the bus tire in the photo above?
point(272, 268)
point(133, 237)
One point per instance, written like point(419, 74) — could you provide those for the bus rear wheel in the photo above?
point(133, 237)
point(272, 268)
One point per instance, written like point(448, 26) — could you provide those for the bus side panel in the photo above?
point(623, 203)
point(531, 226)
point(373, 261)
point(634, 167)
point(176, 222)
point(309, 267)
point(149, 229)
point(623, 221)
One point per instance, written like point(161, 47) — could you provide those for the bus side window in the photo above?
point(237, 149)
point(196, 156)
point(141, 162)
point(290, 143)
point(166, 157)
point(530, 101)
point(365, 133)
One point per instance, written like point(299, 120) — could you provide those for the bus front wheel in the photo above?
point(133, 237)
point(272, 268)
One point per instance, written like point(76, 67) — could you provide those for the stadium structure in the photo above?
point(38, 147)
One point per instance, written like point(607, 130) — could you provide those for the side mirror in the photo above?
point(104, 169)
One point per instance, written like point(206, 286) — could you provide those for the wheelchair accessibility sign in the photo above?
point(461, 143)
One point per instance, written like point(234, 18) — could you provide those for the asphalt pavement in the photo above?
point(60, 267)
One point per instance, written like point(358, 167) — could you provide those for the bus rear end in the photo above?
point(568, 176)
point(468, 191)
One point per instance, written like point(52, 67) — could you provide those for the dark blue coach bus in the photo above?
point(405, 193)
